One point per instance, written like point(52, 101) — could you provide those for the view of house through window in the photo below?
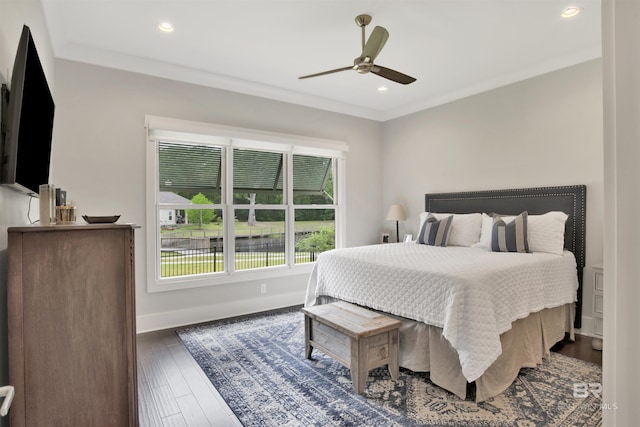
point(223, 209)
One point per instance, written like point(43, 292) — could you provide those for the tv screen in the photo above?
point(29, 122)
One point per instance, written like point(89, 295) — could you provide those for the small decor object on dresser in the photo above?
point(61, 197)
point(65, 214)
point(101, 219)
point(47, 195)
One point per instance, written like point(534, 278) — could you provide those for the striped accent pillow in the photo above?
point(511, 237)
point(435, 232)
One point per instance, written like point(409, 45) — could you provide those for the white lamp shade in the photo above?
point(396, 213)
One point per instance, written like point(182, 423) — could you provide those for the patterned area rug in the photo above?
point(258, 366)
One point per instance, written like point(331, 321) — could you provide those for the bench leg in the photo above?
point(307, 337)
point(394, 369)
point(359, 372)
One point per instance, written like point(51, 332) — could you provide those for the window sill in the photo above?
point(200, 281)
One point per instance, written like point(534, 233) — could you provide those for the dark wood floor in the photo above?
point(580, 349)
point(173, 390)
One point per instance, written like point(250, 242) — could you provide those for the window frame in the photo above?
point(181, 131)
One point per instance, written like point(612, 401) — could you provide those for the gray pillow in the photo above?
point(435, 232)
point(511, 237)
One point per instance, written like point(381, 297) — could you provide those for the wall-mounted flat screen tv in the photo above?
point(28, 122)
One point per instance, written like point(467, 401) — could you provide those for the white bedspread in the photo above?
point(472, 294)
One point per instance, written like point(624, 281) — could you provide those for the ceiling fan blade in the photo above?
point(327, 72)
point(393, 75)
point(376, 42)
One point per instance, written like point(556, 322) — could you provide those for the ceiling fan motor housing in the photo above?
point(362, 65)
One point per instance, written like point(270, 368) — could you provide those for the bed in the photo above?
point(471, 315)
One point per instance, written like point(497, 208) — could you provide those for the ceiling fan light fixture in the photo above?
point(166, 27)
point(570, 11)
point(383, 89)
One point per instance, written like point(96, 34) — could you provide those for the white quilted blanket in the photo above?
point(472, 294)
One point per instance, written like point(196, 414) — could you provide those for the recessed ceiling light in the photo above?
point(382, 89)
point(166, 27)
point(570, 11)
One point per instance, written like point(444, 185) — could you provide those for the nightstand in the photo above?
point(598, 307)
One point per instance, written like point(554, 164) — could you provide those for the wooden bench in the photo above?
point(358, 338)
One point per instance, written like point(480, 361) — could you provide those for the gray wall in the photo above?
point(99, 159)
point(543, 131)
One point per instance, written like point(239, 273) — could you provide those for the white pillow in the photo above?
point(487, 229)
point(465, 228)
point(545, 233)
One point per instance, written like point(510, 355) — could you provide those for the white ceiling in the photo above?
point(454, 48)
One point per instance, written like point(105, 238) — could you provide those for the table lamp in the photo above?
point(396, 213)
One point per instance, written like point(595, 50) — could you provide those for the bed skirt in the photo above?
point(525, 345)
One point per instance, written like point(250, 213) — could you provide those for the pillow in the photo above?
point(510, 237)
point(435, 232)
point(544, 232)
point(465, 228)
point(485, 233)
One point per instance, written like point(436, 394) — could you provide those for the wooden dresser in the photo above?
point(71, 325)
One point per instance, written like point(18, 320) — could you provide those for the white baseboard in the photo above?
point(172, 319)
point(587, 328)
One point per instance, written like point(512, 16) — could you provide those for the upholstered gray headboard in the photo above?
point(569, 199)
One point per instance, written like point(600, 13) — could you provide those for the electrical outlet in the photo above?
point(263, 288)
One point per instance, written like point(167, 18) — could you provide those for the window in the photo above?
point(228, 204)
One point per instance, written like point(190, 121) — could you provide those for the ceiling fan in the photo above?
point(364, 63)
